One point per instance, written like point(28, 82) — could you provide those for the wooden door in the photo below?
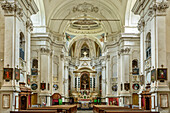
point(23, 103)
point(34, 99)
point(135, 99)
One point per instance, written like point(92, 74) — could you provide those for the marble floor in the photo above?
point(85, 111)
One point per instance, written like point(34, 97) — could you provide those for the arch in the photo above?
point(39, 19)
point(131, 20)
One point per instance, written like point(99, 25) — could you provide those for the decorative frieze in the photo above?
point(85, 7)
point(9, 8)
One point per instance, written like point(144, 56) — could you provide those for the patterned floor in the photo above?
point(85, 111)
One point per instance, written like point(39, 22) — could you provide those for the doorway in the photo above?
point(135, 99)
point(147, 103)
point(23, 103)
point(34, 99)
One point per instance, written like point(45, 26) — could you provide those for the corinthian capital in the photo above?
point(161, 7)
point(11, 7)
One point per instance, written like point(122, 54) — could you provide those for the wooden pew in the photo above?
point(37, 111)
point(117, 109)
point(59, 108)
point(130, 111)
point(102, 108)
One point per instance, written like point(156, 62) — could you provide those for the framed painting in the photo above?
point(114, 88)
point(153, 75)
point(42, 86)
point(164, 100)
point(8, 72)
point(127, 86)
point(136, 86)
point(34, 71)
point(162, 73)
point(34, 86)
point(55, 86)
point(28, 79)
point(135, 71)
point(6, 101)
point(17, 74)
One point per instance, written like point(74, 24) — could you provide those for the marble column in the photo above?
point(103, 81)
point(124, 73)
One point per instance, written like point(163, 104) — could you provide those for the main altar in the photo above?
point(86, 79)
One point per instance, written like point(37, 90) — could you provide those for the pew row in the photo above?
point(130, 111)
point(58, 108)
point(37, 111)
point(117, 109)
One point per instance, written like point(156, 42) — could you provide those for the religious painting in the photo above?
point(164, 100)
point(135, 71)
point(127, 86)
point(43, 86)
point(135, 86)
point(34, 86)
point(69, 37)
point(114, 88)
point(55, 86)
point(162, 73)
point(34, 71)
point(153, 75)
point(85, 81)
point(101, 37)
point(28, 79)
point(8, 72)
point(17, 74)
point(142, 79)
point(6, 101)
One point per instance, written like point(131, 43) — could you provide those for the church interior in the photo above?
point(65, 56)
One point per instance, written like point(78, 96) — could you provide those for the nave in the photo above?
point(69, 55)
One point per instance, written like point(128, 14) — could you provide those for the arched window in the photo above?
point(135, 69)
point(34, 63)
point(85, 51)
point(148, 45)
point(22, 46)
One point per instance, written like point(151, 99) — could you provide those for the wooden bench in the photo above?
point(129, 111)
point(102, 108)
point(37, 111)
point(59, 108)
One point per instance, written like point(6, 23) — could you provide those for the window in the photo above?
point(34, 63)
point(75, 82)
point(94, 82)
point(83, 50)
point(148, 45)
point(22, 46)
point(135, 69)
